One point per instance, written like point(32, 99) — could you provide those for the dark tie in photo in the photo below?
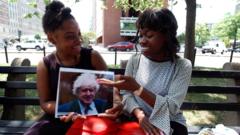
point(87, 108)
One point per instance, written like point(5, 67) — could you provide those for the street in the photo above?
point(202, 60)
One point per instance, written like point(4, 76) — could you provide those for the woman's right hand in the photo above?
point(72, 116)
point(145, 124)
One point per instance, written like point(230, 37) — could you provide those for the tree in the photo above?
point(227, 28)
point(189, 52)
point(138, 5)
point(181, 38)
point(202, 34)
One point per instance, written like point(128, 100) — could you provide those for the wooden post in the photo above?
point(6, 53)
point(233, 118)
point(15, 112)
point(123, 63)
point(115, 60)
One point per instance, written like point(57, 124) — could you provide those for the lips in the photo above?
point(76, 48)
point(143, 49)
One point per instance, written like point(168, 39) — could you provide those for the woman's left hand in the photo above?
point(72, 116)
point(112, 113)
point(121, 82)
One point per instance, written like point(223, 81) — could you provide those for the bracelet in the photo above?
point(138, 92)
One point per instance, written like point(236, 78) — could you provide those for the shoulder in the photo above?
point(183, 62)
point(134, 59)
point(68, 104)
point(97, 61)
point(50, 61)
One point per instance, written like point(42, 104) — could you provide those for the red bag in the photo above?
point(130, 128)
point(94, 125)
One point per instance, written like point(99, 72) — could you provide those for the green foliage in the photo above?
point(46, 2)
point(32, 4)
point(181, 38)
point(202, 34)
point(138, 5)
point(228, 28)
point(37, 36)
point(12, 0)
point(87, 37)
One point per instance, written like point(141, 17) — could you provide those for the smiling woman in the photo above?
point(63, 31)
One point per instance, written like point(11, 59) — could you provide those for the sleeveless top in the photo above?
point(53, 68)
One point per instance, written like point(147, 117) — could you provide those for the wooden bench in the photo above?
point(18, 126)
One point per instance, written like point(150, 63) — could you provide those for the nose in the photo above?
point(79, 41)
point(88, 92)
point(142, 40)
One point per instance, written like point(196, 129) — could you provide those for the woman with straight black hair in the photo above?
point(156, 80)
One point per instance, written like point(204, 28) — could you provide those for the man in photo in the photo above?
point(85, 88)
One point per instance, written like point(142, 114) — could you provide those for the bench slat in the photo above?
point(214, 89)
point(18, 70)
point(195, 73)
point(18, 85)
point(12, 131)
point(19, 100)
point(191, 89)
point(201, 73)
point(15, 123)
point(211, 106)
point(216, 74)
point(185, 106)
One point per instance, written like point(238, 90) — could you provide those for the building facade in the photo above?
point(12, 18)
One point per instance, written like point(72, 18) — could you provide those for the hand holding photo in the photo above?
point(121, 82)
point(109, 82)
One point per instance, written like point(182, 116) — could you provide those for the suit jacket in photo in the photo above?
point(73, 106)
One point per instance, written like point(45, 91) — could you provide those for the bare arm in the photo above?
point(97, 61)
point(43, 89)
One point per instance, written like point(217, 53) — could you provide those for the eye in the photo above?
point(70, 37)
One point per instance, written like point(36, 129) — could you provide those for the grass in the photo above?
point(206, 117)
point(193, 117)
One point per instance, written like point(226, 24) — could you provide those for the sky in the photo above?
point(211, 11)
point(82, 11)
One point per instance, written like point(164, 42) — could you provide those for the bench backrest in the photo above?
point(229, 106)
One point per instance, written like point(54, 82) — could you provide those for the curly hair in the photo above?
point(85, 79)
point(55, 14)
point(164, 22)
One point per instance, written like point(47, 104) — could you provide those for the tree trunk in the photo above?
point(190, 30)
point(165, 3)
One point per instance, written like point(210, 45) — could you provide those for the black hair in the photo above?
point(164, 22)
point(55, 14)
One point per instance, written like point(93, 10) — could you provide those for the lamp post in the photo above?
point(19, 35)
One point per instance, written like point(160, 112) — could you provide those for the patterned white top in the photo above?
point(168, 80)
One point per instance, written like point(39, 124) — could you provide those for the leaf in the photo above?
point(12, 1)
point(138, 5)
point(28, 15)
point(32, 4)
point(46, 2)
point(37, 14)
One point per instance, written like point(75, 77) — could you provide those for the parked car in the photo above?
point(30, 44)
point(2, 43)
point(121, 46)
point(237, 50)
point(209, 49)
point(214, 47)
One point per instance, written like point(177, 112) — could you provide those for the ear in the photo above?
point(51, 38)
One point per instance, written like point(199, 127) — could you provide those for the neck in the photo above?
point(159, 57)
point(67, 60)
